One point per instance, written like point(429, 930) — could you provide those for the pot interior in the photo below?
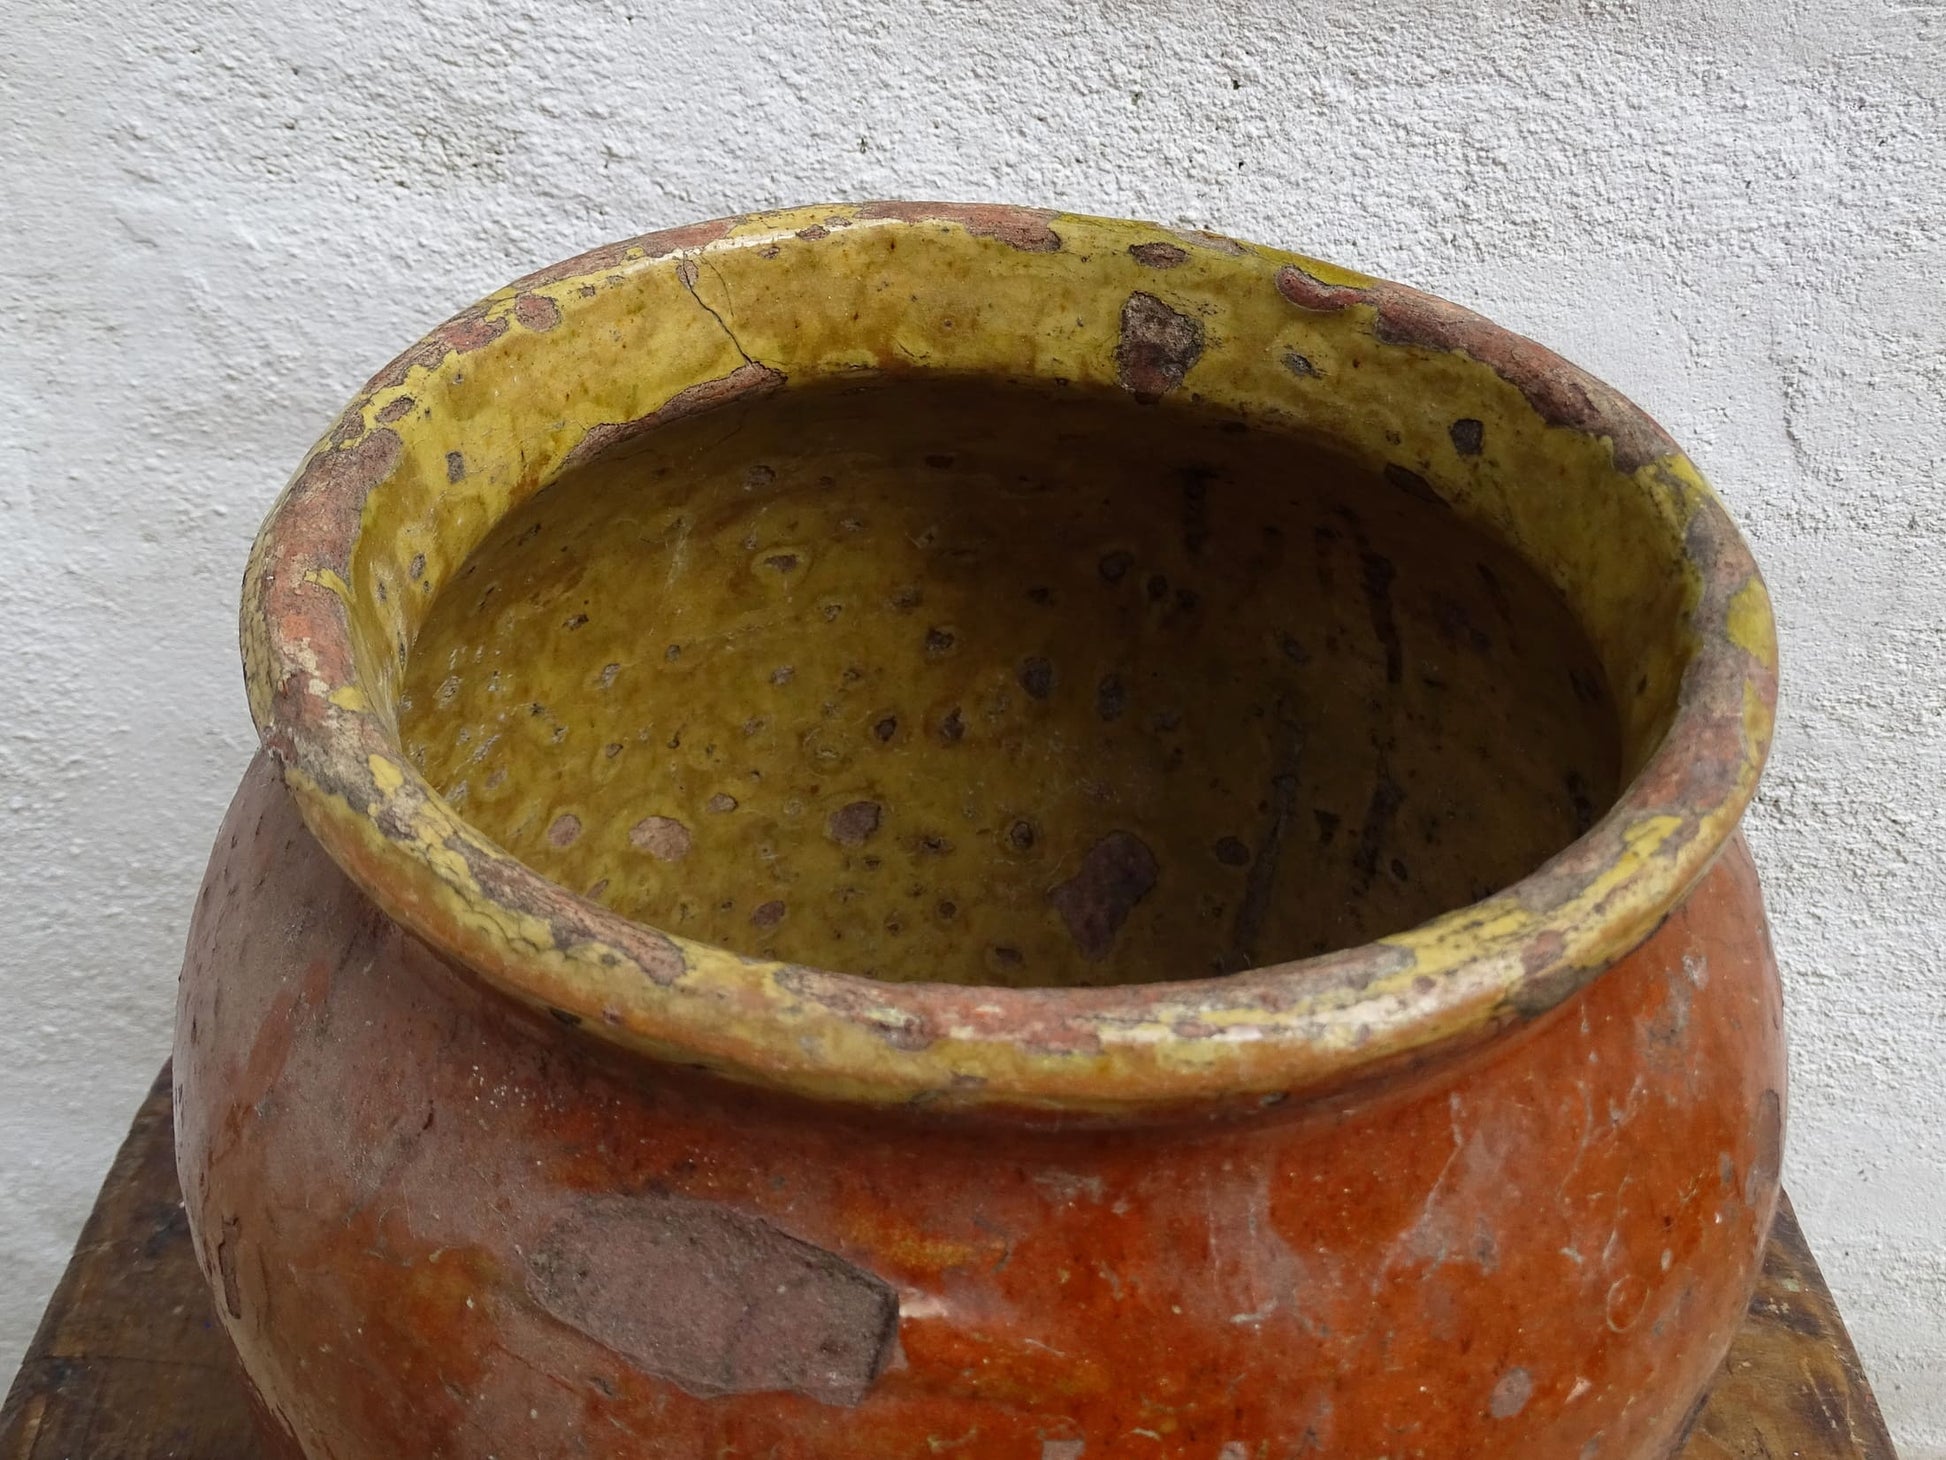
point(953, 681)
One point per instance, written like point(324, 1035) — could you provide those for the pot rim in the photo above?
point(1245, 1039)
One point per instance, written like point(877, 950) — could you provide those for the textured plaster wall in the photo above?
point(216, 218)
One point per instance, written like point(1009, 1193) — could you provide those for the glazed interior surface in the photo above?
point(950, 681)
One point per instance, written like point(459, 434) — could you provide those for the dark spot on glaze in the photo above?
point(714, 1301)
point(886, 728)
point(1157, 588)
point(952, 729)
point(855, 824)
point(1111, 698)
point(1116, 874)
point(226, 1247)
point(1327, 826)
point(1232, 853)
point(455, 466)
point(939, 641)
point(1037, 678)
point(1158, 347)
point(767, 916)
point(1469, 436)
point(566, 830)
point(721, 803)
point(1378, 574)
point(1387, 796)
point(1021, 836)
point(416, 569)
point(564, 1016)
point(1300, 365)
point(662, 837)
point(1114, 566)
point(939, 460)
point(1158, 255)
point(396, 408)
point(782, 562)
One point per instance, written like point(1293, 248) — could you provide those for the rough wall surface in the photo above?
point(220, 217)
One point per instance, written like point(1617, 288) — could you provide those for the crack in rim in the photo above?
point(1246, 1038)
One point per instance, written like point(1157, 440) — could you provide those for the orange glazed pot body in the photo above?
point(1302, 998)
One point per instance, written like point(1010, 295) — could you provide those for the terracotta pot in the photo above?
point(1258, 750)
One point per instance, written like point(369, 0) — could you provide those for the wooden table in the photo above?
point(129, 1363)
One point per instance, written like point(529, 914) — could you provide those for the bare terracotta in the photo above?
point(917, 829)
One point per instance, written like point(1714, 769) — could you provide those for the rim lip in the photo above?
point(1318, 1022)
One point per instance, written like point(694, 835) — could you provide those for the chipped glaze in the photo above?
point(1491, 1183)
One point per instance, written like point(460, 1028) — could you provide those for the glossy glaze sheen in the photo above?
point(1539, 1251)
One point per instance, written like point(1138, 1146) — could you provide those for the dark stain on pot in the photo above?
point(1583, 803)
point(1232, 853)
point(855, 824)
point(1378, 573)
point(1114, 566)
point(1111, 698)
point(713, 1300)
point(952, 729)
point(1300, 365)
point(886, 728)
point(396, 409)
point(226, 1246)
point(1037, 678)
point(1158, 255)
point(1468, 436)
point(1158, 347)
point(1387, 797)
point(1195, 508)
point(1116, 874)
point(768, 915)
point(455, 466)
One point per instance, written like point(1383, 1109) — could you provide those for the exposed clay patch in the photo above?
point(715, 1301)
point(1157, 348)
point(1022, 228)
point(767, 915)
point(662, 837)
point(396, 410)
point(855, 824)
point(455, 466)
point(1468, 436)
point(1511, 1394)
point(1300, 365)
point(1561, 393)
point(537, 312)
point(745, 381)
point(566, 830)
point(1116, 874)
point(1158, 255)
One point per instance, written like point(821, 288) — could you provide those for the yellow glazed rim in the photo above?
point(496, 403)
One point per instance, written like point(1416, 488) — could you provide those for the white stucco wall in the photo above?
point(218, 216)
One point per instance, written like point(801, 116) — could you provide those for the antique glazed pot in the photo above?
point(920, 830)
